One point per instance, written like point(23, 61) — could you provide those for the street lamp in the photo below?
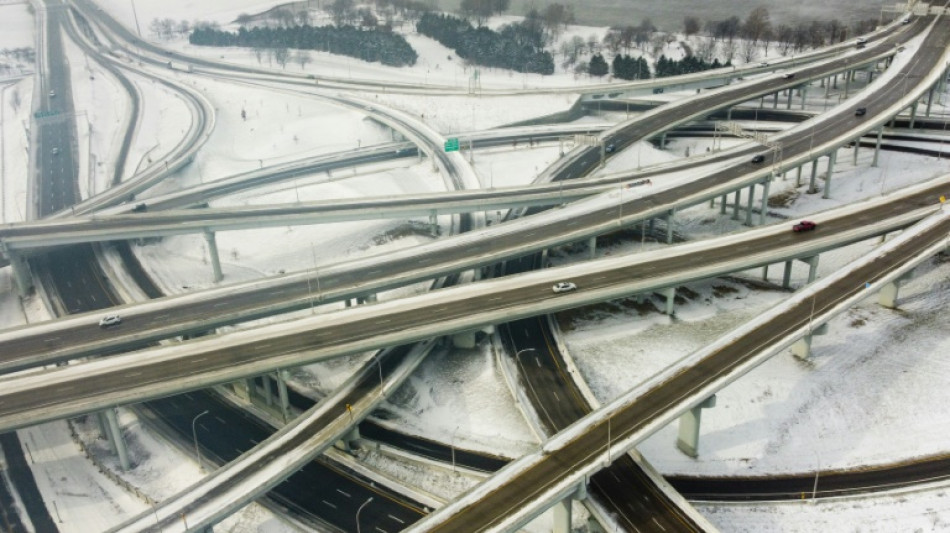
point(814, 489)
point(194, 435)
point(358, 513)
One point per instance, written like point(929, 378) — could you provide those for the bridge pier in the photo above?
point(688, 439)
point(749, 201)
point(434, 223)
point(798, 176)
point(857, 144)
point(735, 205)
point(350, 441)
point(812, 267)
point(115, 437)
point(215, 258)
point(765, 200)
point(913, 114)
point(788, 103)
point(562, 509)
point(775, 99)
point(722, 204)
point(930, 101)
point(814, 176)
point(831, 168)
point(282, 394)
point(802, 347)
point(804, 92)
point(877, 145)
point(888, 295)
point(787, 275)
point(847, 81)
point(669, 226)
point(21, 273)
point(670, 294)
point(268, 391)
point(592, 247)
point(465, 339)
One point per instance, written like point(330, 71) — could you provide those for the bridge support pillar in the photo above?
point(913, 114)
point(21, 272)
point(281, 376)
point(888, 295)
point(688, 439)
point(749, 201)
point(434, 223)
point(814, 177)
point(831, 168)
point(350, 441)
point(765, 200)
point(371, 298)
point(465, 339)
point(798, 176)
point(118, 443)
point(775, 100)
point(669, 226)
point(857, 145)
point(812, 267)
point(268, 390)
point(827, 86)
point(847, 81)
point(930, 101)
point(877, 145)
point(670, 294)
point(787, 275)
point(652, 225)
point(663, 140)
point(563, 515)
point(592, 247)
point(722, 204)
point(802, 347)
point(804, 92)
point(735, 205)
point(788, 102)
point(215, 258)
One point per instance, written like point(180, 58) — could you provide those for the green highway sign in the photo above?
point(452, 144)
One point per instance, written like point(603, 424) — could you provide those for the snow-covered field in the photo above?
point(866, 395)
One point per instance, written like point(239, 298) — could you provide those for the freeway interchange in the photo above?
point(372, 327)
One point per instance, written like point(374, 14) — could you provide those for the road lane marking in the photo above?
point(658, 524)
point(223, 423)
point(328, 504)
point(396, 519)
point(347, 494)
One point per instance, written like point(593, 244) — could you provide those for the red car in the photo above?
point(804, 225)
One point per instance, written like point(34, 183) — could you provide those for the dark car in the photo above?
point(804, 225)
point(860, 112)
point(610, 148)
point(788, 75)
point(759, 158)
point(138, 208)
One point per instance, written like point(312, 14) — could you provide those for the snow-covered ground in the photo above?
point(856, 401)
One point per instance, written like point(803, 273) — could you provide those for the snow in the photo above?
point(856, 401)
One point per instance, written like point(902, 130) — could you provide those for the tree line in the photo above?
point(373, 45)
point(518, 46)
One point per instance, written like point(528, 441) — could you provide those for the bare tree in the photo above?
point(556, 17)
point(281, 55)
point(341, 11)
point(785, 37)
point(757, 25)
point(690, 25)
point(302, 57)
point(481, 10)
point(705, 49)
point(244, 19)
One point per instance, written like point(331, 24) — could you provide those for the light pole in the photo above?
point(814, 488)
point(358, 513)
point(452, 447)
point(194, 435)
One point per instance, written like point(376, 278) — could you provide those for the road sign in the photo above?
point(452, 144)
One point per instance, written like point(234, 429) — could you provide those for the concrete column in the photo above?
point(749, 201)
point(913, 114)
point(814, 176)
point(827, 87)
point(670, 294)
point(930, 101)
point(663, 140)
point(765, 272)
point(735, 205)
point(592, 247)
point(117, 439)
point(372, 298)
point(21, 273)
point(215, 258)
point(688, 439)
point(765, 200)
point(787, 275)
point(847, 82)
point(268, 390)
point(831, 168)
point(775, 100)
point(804, 92)
point(652, 225)
point(877, 145)
point(562, 515)
point(722, 204)
point(812, 267)
point(104, 428)
point(282, 394)
point(888, 295)
point(802, 347)
point(729, 114)
point(350, 441)
point(465, 339)
point(788, 103)
point(434, 223)
point(798, 176)
point(669, 226)
point(857, 145)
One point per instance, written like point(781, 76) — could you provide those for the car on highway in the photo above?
point(52, 93)
point(139, 207)
point(563, 286)
point(860, 112)
point(758, 158)
point(788, 75)
point(861, 40)
point(55, 151)
point(804, 225)
point(110, 320)
point(610, 148)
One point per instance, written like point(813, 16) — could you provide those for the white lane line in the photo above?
point(396, 518)
point(659, 525)
point(133, 374)
point(223, 423)
point(347, 494)
point(556, 397)
point(328, 504)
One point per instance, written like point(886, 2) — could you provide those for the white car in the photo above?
point(110, 320)
point(564, 286)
